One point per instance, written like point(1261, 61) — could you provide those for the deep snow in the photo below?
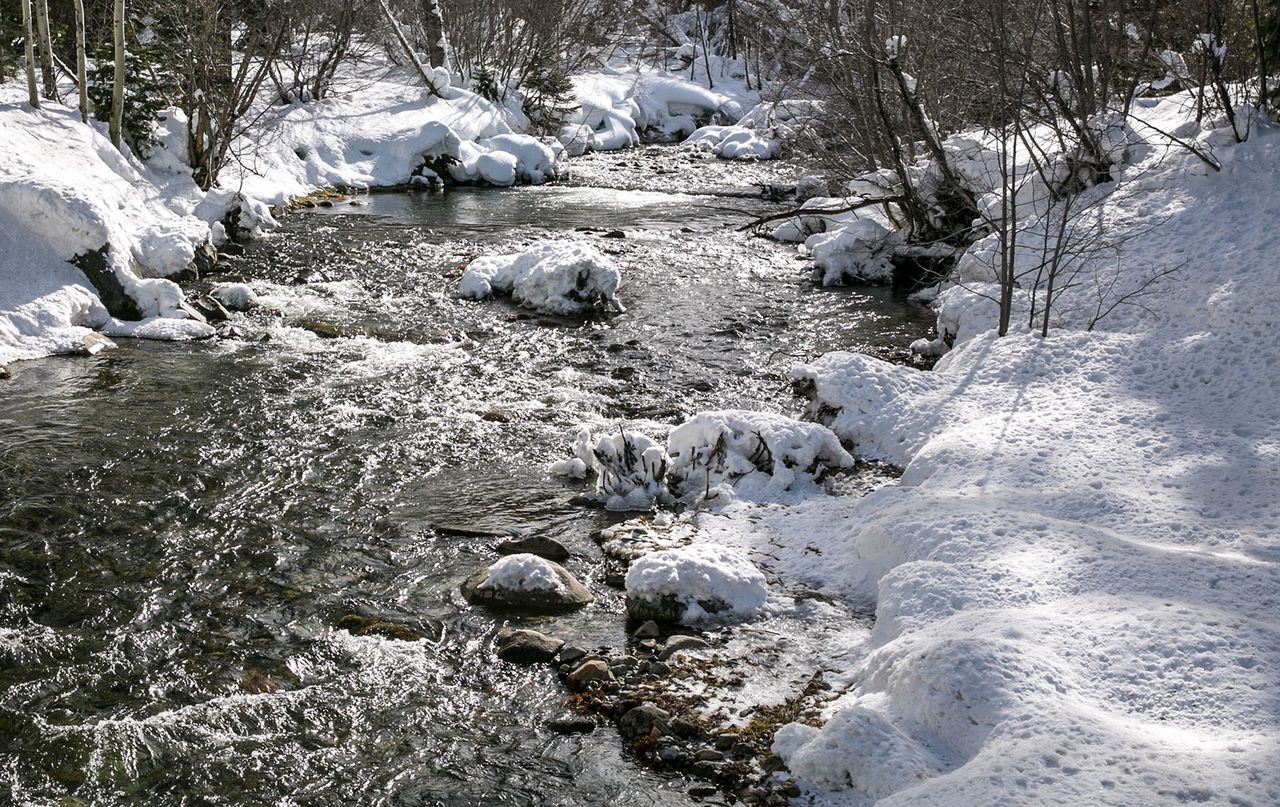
point(1076, 585)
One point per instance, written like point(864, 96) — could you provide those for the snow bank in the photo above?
point(616, 108)
point(708, 581)
point(554, 277)
point(751, 455)
point(506, 160)
point(1076, 584)
point(65, 192)
point(733, 143)
point(523, 572)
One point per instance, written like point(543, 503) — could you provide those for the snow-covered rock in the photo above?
point(554, 277)
point(235, 296)
point(695, 583)
point(733, 143)
point(616, 108)
point(528, 582)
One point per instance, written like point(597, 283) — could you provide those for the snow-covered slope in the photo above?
point(1077, 585)
point(65, 191)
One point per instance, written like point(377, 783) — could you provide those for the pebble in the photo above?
point(643, 721)
point(709, 755)
point(702, 789)
point(726, 741)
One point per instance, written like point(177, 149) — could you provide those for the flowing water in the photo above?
point(182, 525)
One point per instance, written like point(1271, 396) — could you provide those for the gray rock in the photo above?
point(682, 644)
point(210, 309)
point(540, 545)
point(709, 755)
point(570, 654)
point(570, 595)
point(673, 755)
point(527, 646)
point(94, 343)
point(706, 769)
point(659, 668)
point(205, 259)
point(589, 672)
point(743, 750)
point(649, 630)
point(701, 790)
point(103, 278)
point(725, 741)
point(643, 721)
point(664, 610)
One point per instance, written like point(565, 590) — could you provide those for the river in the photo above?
point(182, 525)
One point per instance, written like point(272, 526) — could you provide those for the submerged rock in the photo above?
point(358, 625)
point(523, 646)
point(526, 582)
point(540, 545)
point(682, 644)
point(572, 724)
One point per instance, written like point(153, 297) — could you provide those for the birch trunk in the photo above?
point(47, 70)
point(28, 39)
point(116, 126)
point(82, 77)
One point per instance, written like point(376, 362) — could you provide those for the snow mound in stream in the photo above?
point(554, 277)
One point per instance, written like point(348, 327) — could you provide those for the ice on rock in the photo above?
point(753, 455)
point(523, 572)
point(235, 296)
point(554, 277)
point(695, 583)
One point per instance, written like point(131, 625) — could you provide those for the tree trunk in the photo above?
point(81, 70)
point(116, 126)
point(47, 70)
point(437, 40)
point(28, 39)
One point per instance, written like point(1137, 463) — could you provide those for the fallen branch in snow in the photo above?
point(408, 49)
point(818, 211)
point(1205, 158)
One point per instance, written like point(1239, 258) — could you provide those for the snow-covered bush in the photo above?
point(630, 469)
point(713, 457)
point(695, 583)
point(554, 277)
point(739, 453)
point(505, 160)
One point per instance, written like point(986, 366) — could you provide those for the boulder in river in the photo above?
point(526, 582)
point(523, 646)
